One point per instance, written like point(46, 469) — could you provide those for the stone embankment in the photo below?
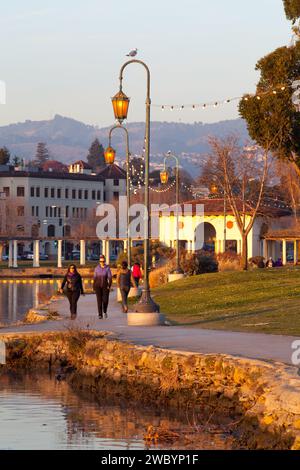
point(258, 401)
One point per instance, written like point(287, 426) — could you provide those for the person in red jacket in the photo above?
point(137, 273)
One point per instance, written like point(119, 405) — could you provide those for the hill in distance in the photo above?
point(69, 140)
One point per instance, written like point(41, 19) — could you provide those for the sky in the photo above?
point(64, 56)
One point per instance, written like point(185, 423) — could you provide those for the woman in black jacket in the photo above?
point(74, 288)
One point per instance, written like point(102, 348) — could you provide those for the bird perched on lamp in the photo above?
point(132, 53)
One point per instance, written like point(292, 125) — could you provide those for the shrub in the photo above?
point(257, 262)
point(200, 262)
point(161, 252)
point(229, 261)
point(159, 276)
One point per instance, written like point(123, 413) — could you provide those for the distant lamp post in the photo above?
point(146, 311)
point(214, 190)
point(120, 104)
point(164, 177)
point(177, 273)
point(109, 155)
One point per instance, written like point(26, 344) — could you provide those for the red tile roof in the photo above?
point(215, 206)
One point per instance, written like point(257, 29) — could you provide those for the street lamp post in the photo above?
point(109, 155)
point(164, 180)
point(120, 105)
point(214, 190)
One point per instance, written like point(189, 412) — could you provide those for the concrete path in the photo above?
point(250, 345)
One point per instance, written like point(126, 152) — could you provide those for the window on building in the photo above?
point(98, 195)
point(59, 212)
point(20, 191)
point(66, 193)
point(116, 194)
point(46, 192)
point(37, 191)
point(32, 191)
point(79, 193)
point(104, 196)
point(52, 192)
point(86, 194)
point(6, 190)
point(93, 194)
point(20, 211)
point(73, 193)
point(116, 182)
point(85, 212)
point(37, 211)
point(58, 193)
point(32, 211)
point(47, 211)
point(67, 211)
point(73, 211)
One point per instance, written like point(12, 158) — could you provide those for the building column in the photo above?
point(15, 256)
point(295, 252)
point(125, 246)
point(10, 254)
point(82, 252)
point(192, 246)
point(59, 253)
point(265, 249)
point(107, 251)
point(36, 254)
point(284, 260)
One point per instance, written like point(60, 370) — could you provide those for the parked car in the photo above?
point(43, 257)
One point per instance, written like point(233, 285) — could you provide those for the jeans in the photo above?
point(136, 280)
point(102, 295)
point(73, 297)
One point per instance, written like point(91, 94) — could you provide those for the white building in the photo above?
point(213, 227)
point(48, 203)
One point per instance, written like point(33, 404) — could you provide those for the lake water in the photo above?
point(18, 296)
point(38, 412)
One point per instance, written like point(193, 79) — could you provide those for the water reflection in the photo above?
point(38, 412)
point(17, 296)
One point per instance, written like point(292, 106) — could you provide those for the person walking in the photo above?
point(137, 273)
point(74, 288)
point(102, 285)
point(125, 280)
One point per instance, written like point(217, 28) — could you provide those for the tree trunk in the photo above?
point(244, 252)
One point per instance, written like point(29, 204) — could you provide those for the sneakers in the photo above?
point(100, 316)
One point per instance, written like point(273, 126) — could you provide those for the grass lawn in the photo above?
point(266, 301)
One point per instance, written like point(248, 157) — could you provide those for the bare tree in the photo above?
point(243, 186)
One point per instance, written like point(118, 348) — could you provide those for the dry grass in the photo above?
point(229, 262)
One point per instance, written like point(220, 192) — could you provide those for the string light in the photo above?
point(215, 104)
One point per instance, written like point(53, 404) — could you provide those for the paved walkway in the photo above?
point(250, 345)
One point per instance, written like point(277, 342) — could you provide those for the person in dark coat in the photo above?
point(125, 280)
point(74, 288)
point(102, 285)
